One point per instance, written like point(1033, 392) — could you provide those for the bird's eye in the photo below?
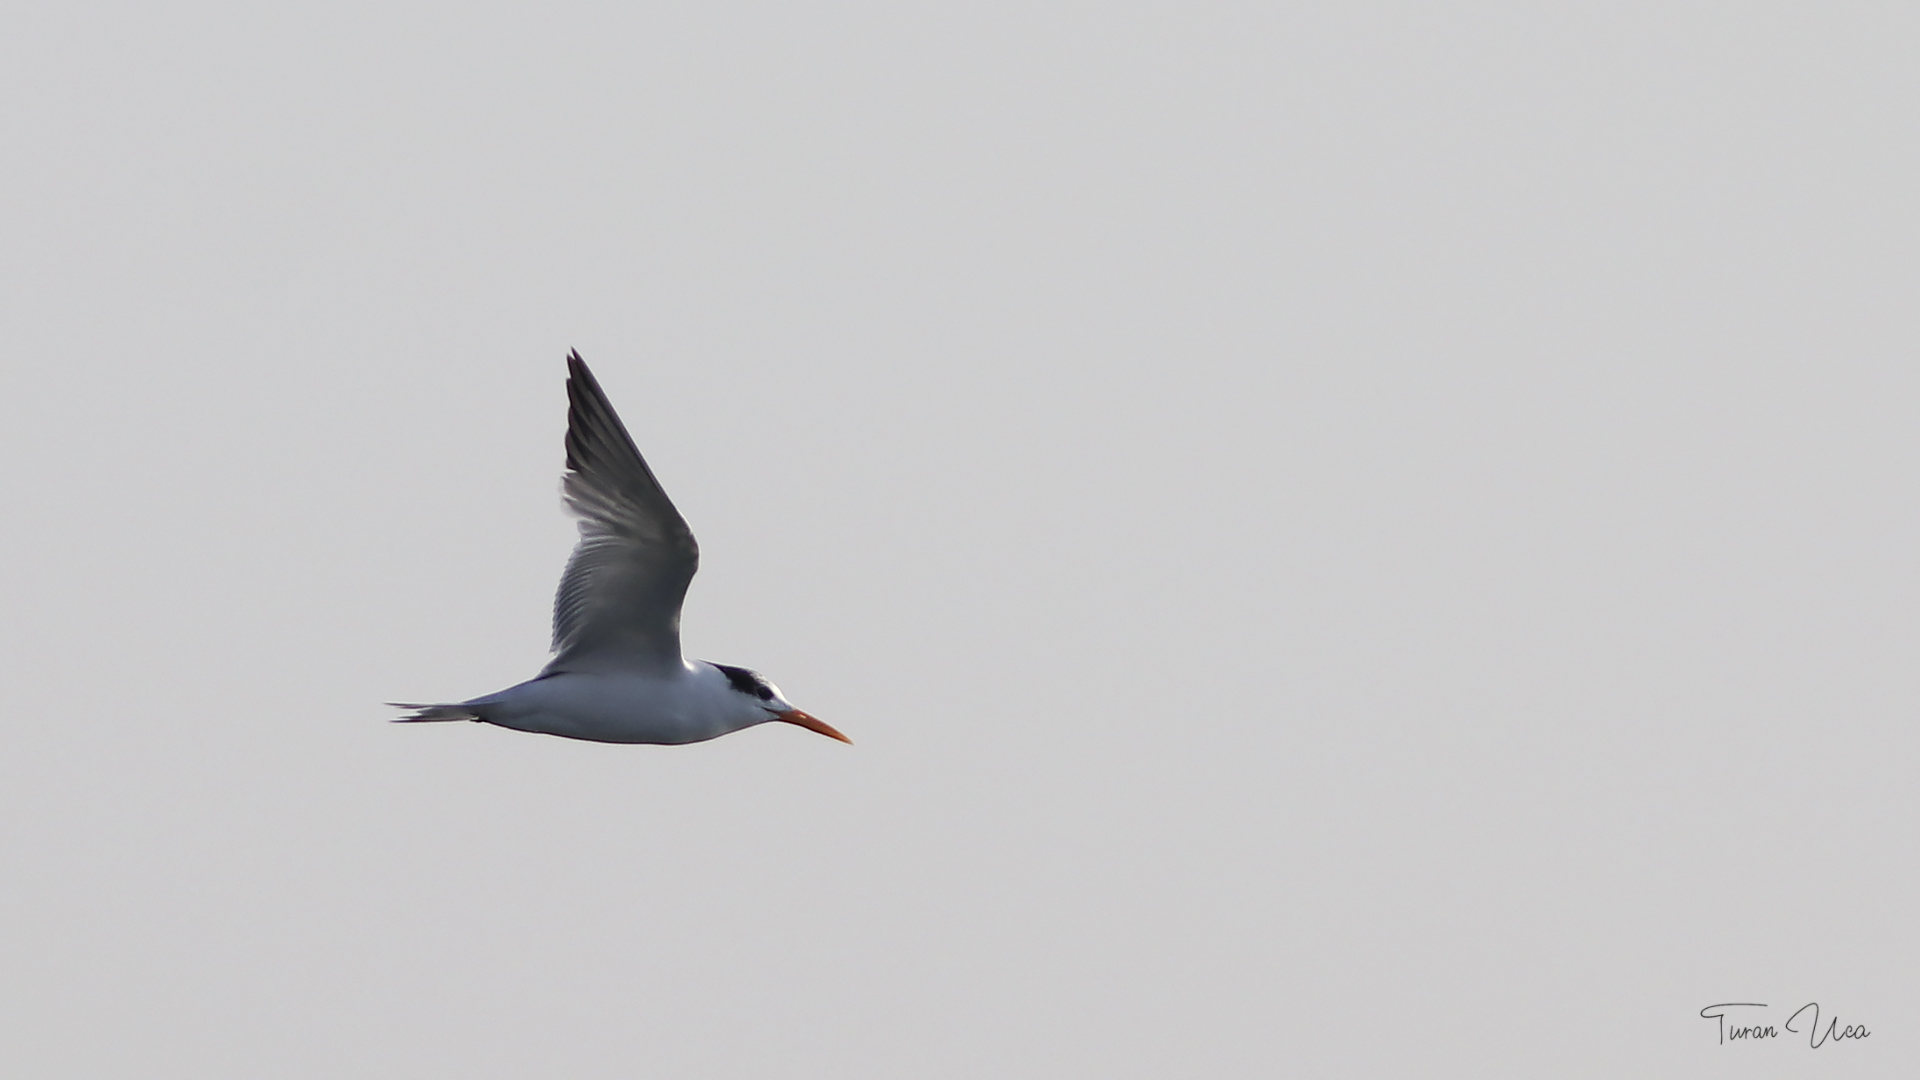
point(765, 694)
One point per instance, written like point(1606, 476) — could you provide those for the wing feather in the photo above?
point(618, 608)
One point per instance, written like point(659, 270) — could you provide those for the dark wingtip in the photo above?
point(586, 404)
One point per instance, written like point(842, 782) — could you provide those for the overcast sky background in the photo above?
point(1350, 540)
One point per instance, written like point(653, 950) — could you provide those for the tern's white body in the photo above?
point(690, 705)
point(617, 674)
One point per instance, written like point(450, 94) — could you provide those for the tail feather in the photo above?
point(433, 714)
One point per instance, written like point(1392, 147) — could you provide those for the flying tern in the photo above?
point(617, 674)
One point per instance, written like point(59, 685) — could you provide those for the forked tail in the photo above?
point(432, 714)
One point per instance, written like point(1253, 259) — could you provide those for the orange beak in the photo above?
point(795, 716)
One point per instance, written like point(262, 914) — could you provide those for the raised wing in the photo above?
point(618, 608)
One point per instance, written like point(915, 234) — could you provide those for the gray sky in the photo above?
point(1350, 541)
